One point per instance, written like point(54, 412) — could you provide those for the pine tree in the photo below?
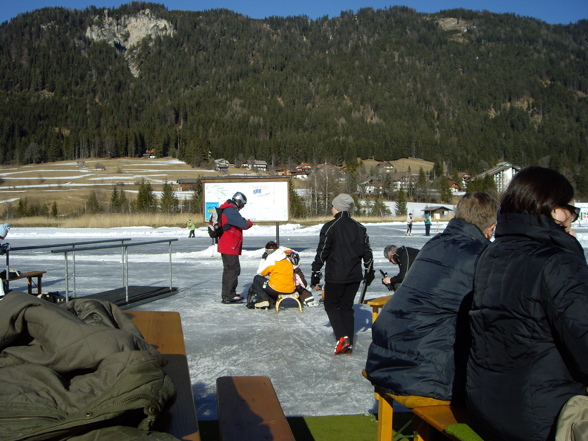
point(115, 202)
point(92, 203)
point(54, 209)
point(145, 202)
point(169, 201)
point(196, 200)
point(296, 205)
point(444, 189)
point(401, 208)
point(124, 203)
point(379, 209)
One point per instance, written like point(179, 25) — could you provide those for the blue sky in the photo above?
point(555, 12)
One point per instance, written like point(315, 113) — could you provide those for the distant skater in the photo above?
point(409, 224)
point(427, 224)
point(191, 227)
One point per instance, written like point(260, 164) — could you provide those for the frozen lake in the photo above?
point(295, 350)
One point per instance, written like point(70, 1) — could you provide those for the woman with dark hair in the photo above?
point(529, 317)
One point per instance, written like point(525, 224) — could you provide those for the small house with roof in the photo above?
point(502, 175)
point(439, 210)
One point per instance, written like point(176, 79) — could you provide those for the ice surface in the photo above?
point(295, 350)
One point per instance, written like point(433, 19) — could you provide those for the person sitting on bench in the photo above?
point(275, 276)
point(419, 339)
point(528, 316)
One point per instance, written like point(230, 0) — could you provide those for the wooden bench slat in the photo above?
point(164, 331)
point(29, 276)
point(249, 410)
point(377, 304)
point(438, 417)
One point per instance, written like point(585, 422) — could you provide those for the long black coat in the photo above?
point(343, 243)
point(529, 324)
point(414, 337)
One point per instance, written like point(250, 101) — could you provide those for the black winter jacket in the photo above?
point(343, 243)
point(406, 257)
point(414, 338)
point(529, 323)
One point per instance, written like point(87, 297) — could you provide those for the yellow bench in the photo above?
point(377, 304)
point(164, 331)
point(450, 420)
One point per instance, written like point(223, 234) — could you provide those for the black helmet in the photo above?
point(293, 257)
point(240, 199)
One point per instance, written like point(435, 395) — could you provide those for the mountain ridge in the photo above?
point(464, 88)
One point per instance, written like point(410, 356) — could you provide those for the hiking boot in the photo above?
point(262, 305)
point(310, 302)
point(343, 346)
point(235, 299)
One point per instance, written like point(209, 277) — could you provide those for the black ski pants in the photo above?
point(231, 272)
point(339, 298)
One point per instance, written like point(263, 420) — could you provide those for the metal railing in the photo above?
point(124, 258)
point(69, 244)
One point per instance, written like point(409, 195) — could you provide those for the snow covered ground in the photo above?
point(295, 350)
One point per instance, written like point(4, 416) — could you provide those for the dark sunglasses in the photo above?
point(574, 210)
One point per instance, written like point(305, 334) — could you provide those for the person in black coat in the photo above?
point(343, 244)
point(529, 317)
point(420, 337)
point(403, 257)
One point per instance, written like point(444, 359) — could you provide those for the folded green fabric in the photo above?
point(462, 432)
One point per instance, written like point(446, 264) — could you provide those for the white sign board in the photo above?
point(267, 200)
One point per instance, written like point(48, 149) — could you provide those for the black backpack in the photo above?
point(215, 227)
point(251, 298)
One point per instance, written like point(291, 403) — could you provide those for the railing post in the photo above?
point(66, 278)
point(126, 248)
point(170, 265)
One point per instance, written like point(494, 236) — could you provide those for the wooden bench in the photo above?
point(377, 304)
point(450, 420)
point(29, 276)
point(249, 410)
point(164, 331)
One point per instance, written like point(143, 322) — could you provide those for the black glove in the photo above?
point(369, 277)
point(4, 248)
point(315, 278)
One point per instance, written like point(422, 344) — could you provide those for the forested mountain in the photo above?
point(466, 88)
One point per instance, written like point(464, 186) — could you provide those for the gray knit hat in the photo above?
point(343, 202)
point(4, 229)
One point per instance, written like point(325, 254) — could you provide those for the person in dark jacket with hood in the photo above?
point(420, 337)
point(230, 245)
point(343, 243)
point(403, 257)
point(529, 317)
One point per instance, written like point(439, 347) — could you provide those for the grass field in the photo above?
point(69, 184)
point(330, 428)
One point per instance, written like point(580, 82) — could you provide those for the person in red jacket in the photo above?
point(230, 245)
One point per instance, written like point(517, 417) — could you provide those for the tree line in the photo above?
point(379, 83)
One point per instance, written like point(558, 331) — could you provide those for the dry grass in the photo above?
point(69, 184)
point(154, 220)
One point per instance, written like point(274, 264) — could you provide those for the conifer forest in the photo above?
point(461, 88)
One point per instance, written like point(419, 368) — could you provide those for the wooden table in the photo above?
point(376, 305)
point(164, 331)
